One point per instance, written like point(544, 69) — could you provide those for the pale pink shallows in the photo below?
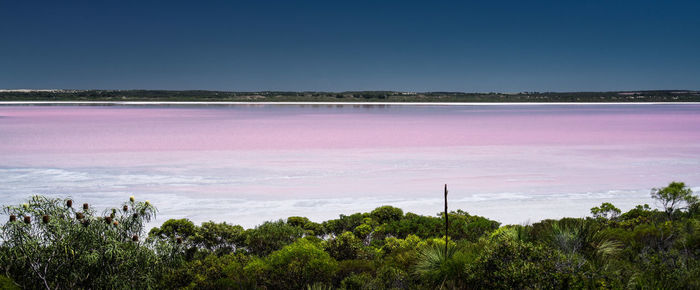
point(247, 164)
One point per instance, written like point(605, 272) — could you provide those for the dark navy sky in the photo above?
point(501, 46)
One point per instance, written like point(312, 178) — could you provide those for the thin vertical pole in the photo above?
point(447, 222)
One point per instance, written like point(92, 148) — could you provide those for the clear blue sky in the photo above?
point(500, 46)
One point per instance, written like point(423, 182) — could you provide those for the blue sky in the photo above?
point(500, 46)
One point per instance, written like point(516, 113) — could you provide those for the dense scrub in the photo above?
point(50, 243)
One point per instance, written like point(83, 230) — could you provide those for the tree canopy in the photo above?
point(59, 243)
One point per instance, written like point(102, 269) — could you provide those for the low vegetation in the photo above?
point(57, 243)
point(352, 96)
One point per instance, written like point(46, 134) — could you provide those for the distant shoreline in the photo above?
point(146, 103)
point(165, 97)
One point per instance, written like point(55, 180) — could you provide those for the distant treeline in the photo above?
point(351, 96)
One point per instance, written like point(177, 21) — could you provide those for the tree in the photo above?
point(174, 228)
point(606, 211)
point(419, 225)
point(294, 266)
point(219, 237)
point(271, 236)
point(386, 214)
point(675, 196)
point(310, 227)
point(344, 223)
point(344, 247)
point(470, 227)
point(364, 232)
point(297, 221)
point(56, 245)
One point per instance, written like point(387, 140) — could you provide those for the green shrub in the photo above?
point(386, 214)
point(271, 236)
point(7, 283)
point(362, 281)
point(294, 266)
point(60, 246)
point(344, 247)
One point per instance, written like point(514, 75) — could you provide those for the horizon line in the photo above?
point(344, 91)
point(138, 103)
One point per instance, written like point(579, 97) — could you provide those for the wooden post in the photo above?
point(447, 222)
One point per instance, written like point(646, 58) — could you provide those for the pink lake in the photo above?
point(249, 163)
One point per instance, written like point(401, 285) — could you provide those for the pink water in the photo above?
point(133, 129)
point(249, 163)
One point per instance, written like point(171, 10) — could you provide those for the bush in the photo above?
point(7, 283)
point(271, 236)
point(65, 246)
point(294, 266)
point(221, 238)
point(212, 272)
point(344, 223)
point(507, 263)
point(174, 228)
point(363, 281)
point(57, 245)
point(344, 247)
point(386, 214)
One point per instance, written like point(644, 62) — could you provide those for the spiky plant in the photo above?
point(567, 238)
point(432, 258)
point(609, 248)
point(439, 270)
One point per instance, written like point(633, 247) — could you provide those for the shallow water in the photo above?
point(249, 163)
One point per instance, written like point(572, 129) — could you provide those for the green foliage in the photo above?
point(221, 238)
point(211, 272)
point(350, 268)
point(7, 283)
point(639, 214)
point(568, 238)
point(59, 246)
point(174, 228)
point(294, 266)
point(271, 236)
point(605, 211)
point(395, 245)
point(210, 237)
point(413, 224)
point(344, 223)
point(437, 267)
point(469, 227)
point(363, 231)
point(462, 226)
point(386, 214)
point(363, 281)
point(383, 249)
point(310, 227)
point(319, 286)
point(344, 247)
point(507, 263)
point(675, 196)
